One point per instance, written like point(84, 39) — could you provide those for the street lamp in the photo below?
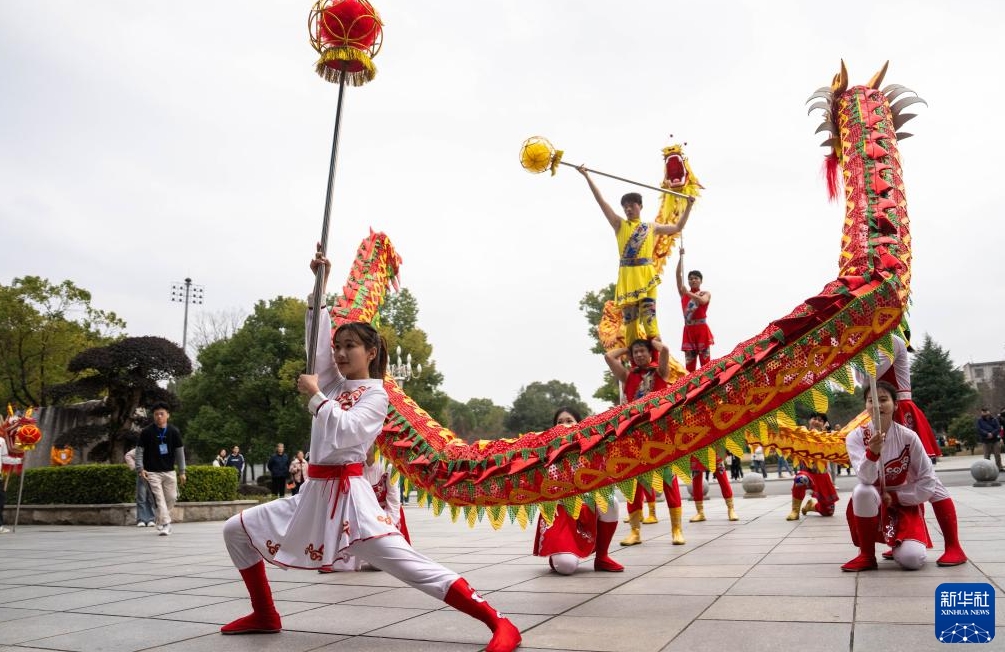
point(403, 371)
point(186, 293)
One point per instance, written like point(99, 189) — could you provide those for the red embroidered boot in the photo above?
point(602, 560)
point(263, 619)
point(866, 528)
point(945, 514)
point(505, 635)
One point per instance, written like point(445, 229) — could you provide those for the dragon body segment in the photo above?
point(746, 396)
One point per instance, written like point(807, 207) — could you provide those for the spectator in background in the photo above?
point(144, 497)
point(159, 450)
point(757, 461)
point(989, 433)
point(221, 458)
point(736, 467)
point(298, 470)
point(236, 460)
point(783, 464)
point(279, 469)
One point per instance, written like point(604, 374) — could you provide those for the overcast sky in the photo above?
point(142, 143)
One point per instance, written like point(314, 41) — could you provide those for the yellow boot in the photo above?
point(649, 520)
point(810, 506)
point(676, 531)
point(700, 516)
point(794, 514)
point(634, 537)
point(730, 512)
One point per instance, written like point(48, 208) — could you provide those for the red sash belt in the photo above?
point(336, 476)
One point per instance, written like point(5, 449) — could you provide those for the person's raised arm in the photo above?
point(680, 274)
point(663, 368)
point(613, 360)
point(325, 369)
point(670, 229)
point(612, 218)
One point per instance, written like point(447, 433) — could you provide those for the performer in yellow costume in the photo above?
point(635, 292)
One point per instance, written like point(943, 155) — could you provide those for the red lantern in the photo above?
point(347, 34)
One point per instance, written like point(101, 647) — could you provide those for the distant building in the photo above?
point(984, 373)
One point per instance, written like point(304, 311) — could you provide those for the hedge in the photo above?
point(103, 484)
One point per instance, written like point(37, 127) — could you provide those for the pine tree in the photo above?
point(938, 387)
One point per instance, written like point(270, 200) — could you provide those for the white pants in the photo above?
point(164, 487)
point(865, 500)
point(391, 554)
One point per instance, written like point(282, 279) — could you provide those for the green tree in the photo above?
point(42, 326)
point(399, 318)
point(964, 429)
point(938, 387)
point(479, 418)
point(124, 375)
point(536, 403)
point(400, 311)
point(244, 392)
point(592, 307)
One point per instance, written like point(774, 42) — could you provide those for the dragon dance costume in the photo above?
point(336, 512)
point(635, 291)
point(642, 381)
point(567, 539)
point(697, 340)
point(825, 495)
point(909, 478)
point(898, 373)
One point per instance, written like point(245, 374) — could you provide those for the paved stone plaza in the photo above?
point(762, 583)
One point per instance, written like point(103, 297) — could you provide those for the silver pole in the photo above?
point(20, 490)
point(636, 183)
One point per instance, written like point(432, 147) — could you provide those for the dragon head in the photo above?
point(828, 99)
point(676, 170)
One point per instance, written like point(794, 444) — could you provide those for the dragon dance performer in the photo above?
point(825, 494)
point(378, 474)
point(697, 340)
point(567, 539)
point(635, 291)
point(645, 377)
point(336, 511)
point(890, 507)
point(897, 372)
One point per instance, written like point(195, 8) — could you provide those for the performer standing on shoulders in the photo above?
point(567, 539)
point(645, 377)
point(336, 512)
point(697, 340)
point(635, 292)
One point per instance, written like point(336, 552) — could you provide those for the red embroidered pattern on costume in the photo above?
point(895, 470)
point(348, 398)
point(345, 528)
point(385, 519)
point(273, 548)
point(380, 489)
point(314, 554)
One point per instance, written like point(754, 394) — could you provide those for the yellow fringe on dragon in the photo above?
point(746, 396)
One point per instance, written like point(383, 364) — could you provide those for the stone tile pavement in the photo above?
point(761, 583)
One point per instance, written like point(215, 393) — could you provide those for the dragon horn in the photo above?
point(903, 135)
point(840, 83)
point(877, 79)
point(825, 126)
point(824, 94)
point(10, 410)
point(27, 413)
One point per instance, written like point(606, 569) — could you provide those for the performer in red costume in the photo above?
point(645, 377)
point(697, 340)
point(698, 487)
point(897, 372)
point(567, 539)
point(895, 478)
point(825, 494)
point(336, 509)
